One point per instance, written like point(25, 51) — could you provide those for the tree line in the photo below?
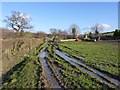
point(20, 22)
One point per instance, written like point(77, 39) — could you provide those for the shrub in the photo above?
point(117, 34)
point(86, 39)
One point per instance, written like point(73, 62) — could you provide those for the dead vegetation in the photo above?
point(15, 48)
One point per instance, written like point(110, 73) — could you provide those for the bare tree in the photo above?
point(62, 34)
point(58, 33)
point(74, 30)
point(18, 21)
point(53, 31)
point(97, 28)
point(40, 34)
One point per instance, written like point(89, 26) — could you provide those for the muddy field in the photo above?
point(82, 65)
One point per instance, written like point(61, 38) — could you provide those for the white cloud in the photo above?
point(105, 26)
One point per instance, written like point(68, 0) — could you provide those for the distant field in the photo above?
point(103, 55)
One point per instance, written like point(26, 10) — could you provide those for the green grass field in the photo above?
point(101, 55)
point(71, 76)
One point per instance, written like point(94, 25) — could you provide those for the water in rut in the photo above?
point(53, 83)
point(93, 72)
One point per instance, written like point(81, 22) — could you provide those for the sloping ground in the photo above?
point(27, 73)
point(14, 49)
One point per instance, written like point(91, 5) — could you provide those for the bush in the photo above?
point(117, 34)
point(86, 39)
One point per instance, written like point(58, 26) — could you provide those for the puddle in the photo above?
point(93, 72)
point(43, 54)
point(47, 72)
